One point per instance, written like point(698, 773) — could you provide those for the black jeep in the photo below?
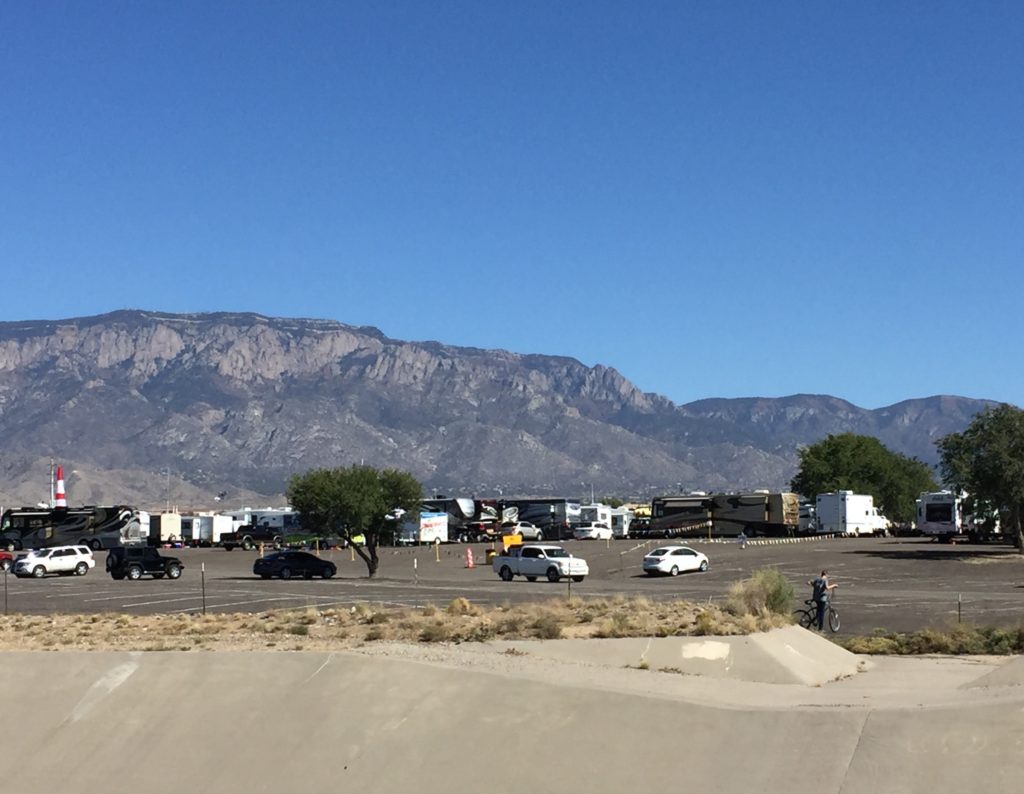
point(135, 561)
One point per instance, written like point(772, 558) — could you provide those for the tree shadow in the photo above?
point(954, 553)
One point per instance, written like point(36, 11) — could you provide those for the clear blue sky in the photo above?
point(717, 199)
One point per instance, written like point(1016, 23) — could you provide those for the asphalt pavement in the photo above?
point(895, 584)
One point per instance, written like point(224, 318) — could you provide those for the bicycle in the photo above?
point(808, 617)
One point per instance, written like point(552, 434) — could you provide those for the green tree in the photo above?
point(863, 464)
point(357, 500)
point(987, 461)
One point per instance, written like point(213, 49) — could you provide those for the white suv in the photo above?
point(63, 560)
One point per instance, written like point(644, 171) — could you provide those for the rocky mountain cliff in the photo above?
point(152, 408)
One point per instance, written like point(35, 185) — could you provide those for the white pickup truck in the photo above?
point(535, 559)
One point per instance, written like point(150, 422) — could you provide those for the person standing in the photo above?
point(820, 594)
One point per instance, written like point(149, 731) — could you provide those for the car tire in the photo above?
point(553, 574)
point(703, 566)
point(134, 572)
point(117, 576)
point(540, 536)
point(506, 574)
point(286, 573)
point(39, 572)
point(674, 571)
point(247, 545)
point(173, 571)
point(228, 546)
point(95, 544)
point(81, 569)
point(328, 572)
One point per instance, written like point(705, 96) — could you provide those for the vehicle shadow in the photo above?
point(941, 553)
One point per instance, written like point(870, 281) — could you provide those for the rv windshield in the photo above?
point(940, 513)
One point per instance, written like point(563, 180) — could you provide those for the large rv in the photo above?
point(92, 526)
point(940, 514)
point(726, 514)
point(556, 517)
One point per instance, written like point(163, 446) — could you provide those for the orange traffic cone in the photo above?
point(469, 558)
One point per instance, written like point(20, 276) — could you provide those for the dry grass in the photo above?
point(313, 629)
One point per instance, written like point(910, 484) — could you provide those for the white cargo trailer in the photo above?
point(940, 514)
point(848, 513)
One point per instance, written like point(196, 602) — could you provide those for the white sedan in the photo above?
point(592, 532)
point(673, 560)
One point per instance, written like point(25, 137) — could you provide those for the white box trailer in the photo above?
point(205, 529)
point(430, 528)
point(849, 513)
point(164, 528)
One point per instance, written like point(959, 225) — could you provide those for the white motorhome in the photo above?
point(622, 517)
point(848, 513)
point(940, 514)
point(596, 513)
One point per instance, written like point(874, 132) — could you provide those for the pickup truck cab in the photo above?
point(535, 559)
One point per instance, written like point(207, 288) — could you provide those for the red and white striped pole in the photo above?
point(61, 501)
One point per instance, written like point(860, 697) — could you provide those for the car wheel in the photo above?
point(228, 546)
point(703, 565)
point(174, 571)
point(553, 575)
point(134, 572)
point(81, 569)
point(505, 573)
point(95, 544)
point(117, 576)
point(674, 571)
point(540, 535)
point(328, 572)
point(286, 573)
point(39, 572)
point(247, 544)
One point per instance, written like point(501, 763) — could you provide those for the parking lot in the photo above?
point(892, 583)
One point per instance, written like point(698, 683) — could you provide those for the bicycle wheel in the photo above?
point(833, 619)
point(804, 617)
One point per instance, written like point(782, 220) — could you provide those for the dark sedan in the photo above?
point(287, 564)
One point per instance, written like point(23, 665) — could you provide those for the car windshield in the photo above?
point(556, 553)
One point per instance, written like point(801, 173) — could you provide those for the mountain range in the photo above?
point(155, 409)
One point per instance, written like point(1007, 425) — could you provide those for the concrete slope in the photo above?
point(784, 656)
point(255, 722)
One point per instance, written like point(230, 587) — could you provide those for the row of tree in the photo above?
point(986, 460)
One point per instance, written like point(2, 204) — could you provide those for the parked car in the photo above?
point(534, 559)
point(6, 560)
point(287, 564)
point(673, 560)
point(134, 562)
point(592, 532)
point(62, 560)
point(527, 530)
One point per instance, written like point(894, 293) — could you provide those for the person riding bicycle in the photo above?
point(820, 594)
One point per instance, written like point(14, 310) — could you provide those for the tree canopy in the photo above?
point(356, 500)
point(987, 461)
point(863, 464)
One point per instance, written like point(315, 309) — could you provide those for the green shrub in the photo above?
point(767, 591)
